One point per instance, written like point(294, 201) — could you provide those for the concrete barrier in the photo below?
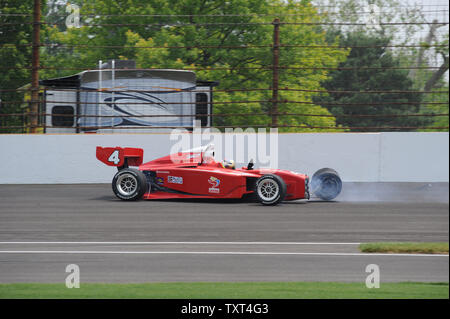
point(358, 157)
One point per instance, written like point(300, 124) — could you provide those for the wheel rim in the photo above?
point(126, 184)
point(268, 190)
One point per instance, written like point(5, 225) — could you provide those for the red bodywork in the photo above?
point(190, 175)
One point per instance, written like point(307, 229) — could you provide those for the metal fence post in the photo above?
point(276, 55)
point(35, 66)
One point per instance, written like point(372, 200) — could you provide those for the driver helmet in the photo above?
point(228, 164)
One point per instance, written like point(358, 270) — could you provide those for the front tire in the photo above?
point(270, 189)
point(129, 184)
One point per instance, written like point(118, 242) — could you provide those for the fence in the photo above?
point(284, 102)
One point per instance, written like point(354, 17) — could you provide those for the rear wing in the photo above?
point(120, 157)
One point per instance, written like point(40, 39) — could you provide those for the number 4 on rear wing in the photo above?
point(120, 157)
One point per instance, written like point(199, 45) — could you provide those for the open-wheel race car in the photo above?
point(195, 174)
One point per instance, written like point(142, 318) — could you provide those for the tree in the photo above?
point(210, 24)
point(15, 55)
point(418, 38)
point(371, 67)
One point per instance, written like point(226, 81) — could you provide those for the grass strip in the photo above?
point(405, 248)
point(227, 290)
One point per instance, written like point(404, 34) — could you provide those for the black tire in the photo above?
point(270, 189)
point(129, 184)
point(326, 184)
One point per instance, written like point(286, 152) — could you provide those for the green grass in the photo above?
point(408, 248)
point(257, 290)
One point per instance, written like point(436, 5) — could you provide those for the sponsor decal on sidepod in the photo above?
point(159, 180)
point(175, 179)
point(215, 182)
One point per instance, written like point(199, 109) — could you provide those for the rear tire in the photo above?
point(270, 189)
point(129, 184)
point(326, 184)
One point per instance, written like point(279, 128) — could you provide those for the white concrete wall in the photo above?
point(414, 156)
point(354, 156)
point(365, 157)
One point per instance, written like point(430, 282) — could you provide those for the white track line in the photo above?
point(208, 253)
point(172, 243)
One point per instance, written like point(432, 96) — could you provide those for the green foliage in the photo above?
point(438, 121)
point(405, 247)
point(424, 44)
point(136, 37)
point(132, 41)
point(371, 53)
point(431, 54)
point(14, 54)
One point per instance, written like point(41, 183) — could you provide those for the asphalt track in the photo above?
point(43, 228)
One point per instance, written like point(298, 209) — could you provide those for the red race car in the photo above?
point(195, 174)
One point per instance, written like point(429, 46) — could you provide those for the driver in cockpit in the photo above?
point(228, 164)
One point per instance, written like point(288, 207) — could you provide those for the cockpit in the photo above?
point(208, 154)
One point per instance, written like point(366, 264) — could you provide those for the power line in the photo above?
point(231, 114)
point(95, 15)
point(247, 102)
point(267, 68)
point(244, 90)
point(242, 46)
point(224, 24)
point(332, 128)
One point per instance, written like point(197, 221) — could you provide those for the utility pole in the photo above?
point(35, 66)
point(276, 55)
